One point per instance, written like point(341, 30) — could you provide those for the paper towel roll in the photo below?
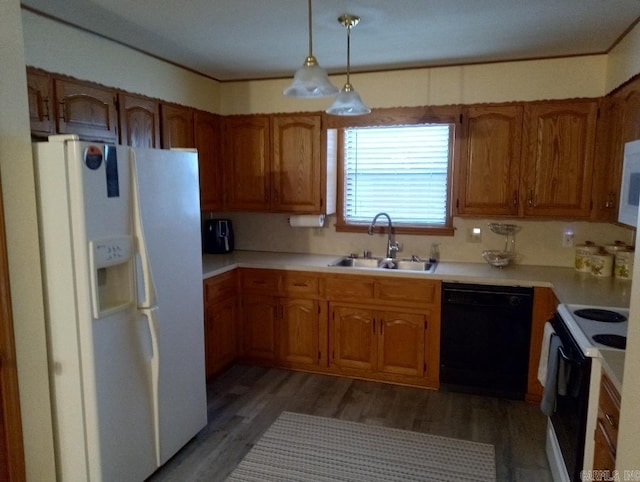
point(306, 221)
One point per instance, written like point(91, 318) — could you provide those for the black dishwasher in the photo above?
point(484, 339)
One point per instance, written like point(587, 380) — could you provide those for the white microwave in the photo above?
point(630, 188)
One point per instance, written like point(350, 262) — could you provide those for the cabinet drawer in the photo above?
point(360, 289)
point(413, 291)
point(260, 280)
point(609, 410)
point(300, 283)
point(220, 287)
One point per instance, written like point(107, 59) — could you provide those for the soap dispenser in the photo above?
point(434, 253)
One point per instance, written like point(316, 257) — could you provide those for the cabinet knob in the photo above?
point(530, 201)
point(515, 198)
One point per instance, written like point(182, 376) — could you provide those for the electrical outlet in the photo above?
point(567, 239)
point(474, 235)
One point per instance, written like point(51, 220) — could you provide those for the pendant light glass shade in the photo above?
point(310, 80)
point(348, 101)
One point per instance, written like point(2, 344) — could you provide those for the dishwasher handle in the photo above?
point(466, 298)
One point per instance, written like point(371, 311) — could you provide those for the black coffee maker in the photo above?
point(217, 236)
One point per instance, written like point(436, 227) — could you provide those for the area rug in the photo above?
point(308, 448)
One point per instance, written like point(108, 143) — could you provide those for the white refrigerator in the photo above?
point(120, 244)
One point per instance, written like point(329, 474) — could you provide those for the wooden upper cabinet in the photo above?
point(139, 121)
point(177, 126)
point(207, 134)
point(41, 108)
point(619, 123)
point(86, 110)
point(489, 169)
point(247, 163)
point(607, 167)
point(296, 171)
point(558, 142)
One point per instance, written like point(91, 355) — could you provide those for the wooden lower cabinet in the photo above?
point(352, 339)
point(283, 319)
point(606, 434)
point(259, 313)
point(401, 343)
point(221, 335)
point(385, 344)
point(299, 332)
point(282, 331)
point(220, 322)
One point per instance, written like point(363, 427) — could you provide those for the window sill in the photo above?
point(398, 229)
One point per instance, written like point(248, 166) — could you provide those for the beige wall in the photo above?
point(623, 62)
point(22, 247)
point(537, 242)
point(59, 48)
point(499, 82)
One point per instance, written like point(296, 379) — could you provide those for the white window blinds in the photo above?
point(400, 170)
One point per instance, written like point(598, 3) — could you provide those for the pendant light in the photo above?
point(348, 101)
point(310, 80)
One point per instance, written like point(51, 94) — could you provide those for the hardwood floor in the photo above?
point(245, 400)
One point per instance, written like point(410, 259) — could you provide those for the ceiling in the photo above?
point(249, 39)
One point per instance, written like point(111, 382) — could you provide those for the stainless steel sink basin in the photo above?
point(415, 265)
point(357, 262)
point(385, 263)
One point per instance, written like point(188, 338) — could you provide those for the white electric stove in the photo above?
point(596, 327)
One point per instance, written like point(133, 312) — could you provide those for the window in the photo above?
point(401, 170)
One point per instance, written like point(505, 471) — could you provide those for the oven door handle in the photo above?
point(564, 356)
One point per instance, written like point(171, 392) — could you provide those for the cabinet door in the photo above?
point(259, 326)
point(139, 121)
point(604, 457)
point(86, 110)
point(559, 143)
point(177, 126)
point(299, 332)
point(619, 123)
point(607, 167)
point(296, 164)
point(489, 171)
point(247, 165)
point(401, 343)
point(40, 90)
point(208, 140)
point(220, 335)
point(352, 342)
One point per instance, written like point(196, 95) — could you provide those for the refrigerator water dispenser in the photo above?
point(112, 275)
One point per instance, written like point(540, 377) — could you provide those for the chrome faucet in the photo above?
point(392, 245)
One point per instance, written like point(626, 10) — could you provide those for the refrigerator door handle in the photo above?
point(145, 287)
point(151, 315)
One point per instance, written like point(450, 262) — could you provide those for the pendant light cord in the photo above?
point(310, 30)
point(348, 52)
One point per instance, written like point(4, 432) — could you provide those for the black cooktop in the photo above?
point(598, 314)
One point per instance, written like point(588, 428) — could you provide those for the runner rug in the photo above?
point(308, 448)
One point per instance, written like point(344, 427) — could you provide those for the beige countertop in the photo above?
point(569, 285)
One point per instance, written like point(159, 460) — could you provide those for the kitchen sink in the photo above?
point(385, 263)
point(415, 265)
point(350, 262)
